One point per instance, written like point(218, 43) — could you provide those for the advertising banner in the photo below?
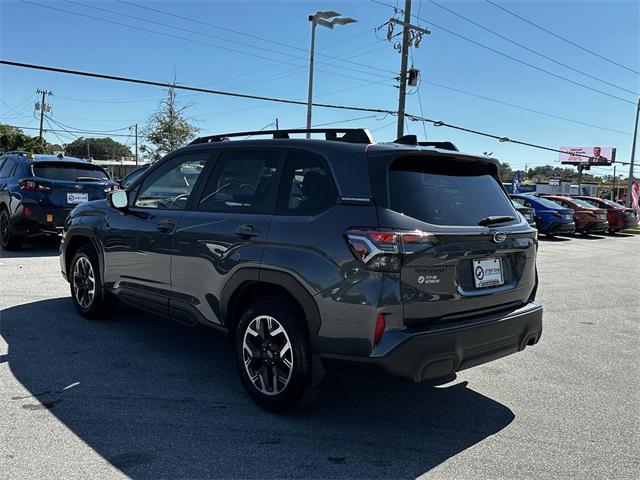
point(587, 155)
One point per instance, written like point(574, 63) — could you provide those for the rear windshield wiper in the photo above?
point(90, 179)
point(495, 219)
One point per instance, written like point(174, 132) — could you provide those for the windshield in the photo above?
point(581, 203)
point(611, 203)
point(446, 192)
point(69, 172)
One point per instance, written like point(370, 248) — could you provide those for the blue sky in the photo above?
point(218, 58)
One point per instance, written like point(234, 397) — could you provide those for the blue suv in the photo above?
point(37, 192)
point(551, 218)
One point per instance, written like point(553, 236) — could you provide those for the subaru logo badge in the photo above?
point(78, 187)
point(499, 237)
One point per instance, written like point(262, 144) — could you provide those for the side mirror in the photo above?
point(118, 199)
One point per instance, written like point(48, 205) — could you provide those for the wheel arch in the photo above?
point(76, 239)
point(249, 284)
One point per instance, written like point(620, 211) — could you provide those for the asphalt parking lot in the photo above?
point(146, 398)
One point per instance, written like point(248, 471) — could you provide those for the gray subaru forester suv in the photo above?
point(317, 255)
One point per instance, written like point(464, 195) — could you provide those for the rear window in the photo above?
point(70, 172)
point(545, 202)
point(582, 203)
point(446, 192)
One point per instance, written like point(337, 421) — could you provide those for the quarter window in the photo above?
point(169, 188)
point(6, 168)
point(307, 186)
point(243, 181)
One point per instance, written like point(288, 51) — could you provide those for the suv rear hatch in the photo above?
point(67, 184)
point(467, 251)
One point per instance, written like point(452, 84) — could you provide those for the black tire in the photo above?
point(95, 306)
point(8, 239)
point(299, 389)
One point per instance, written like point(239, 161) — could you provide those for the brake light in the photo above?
point(383, 250)
point(26, 211)
point(380, 326)
point(32, 186)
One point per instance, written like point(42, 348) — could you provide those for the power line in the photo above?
point(527, 109)
point(515, 59)
point(606, 59)
point(76, 136)
point(264, 39)
point(166, 34)
point(436, 123)
point(361, 65)
point(535, 52)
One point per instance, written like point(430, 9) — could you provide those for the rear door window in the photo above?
point(69, 172)
point(243, 181)
point(446, 191)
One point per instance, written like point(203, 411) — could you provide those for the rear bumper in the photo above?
point(567, 227)
point(445, 349)
point(597, 227)
point(41, 219)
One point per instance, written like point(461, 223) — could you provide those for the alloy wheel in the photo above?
point(267, 355)
point(84, 282)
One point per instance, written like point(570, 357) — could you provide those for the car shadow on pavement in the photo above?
point(160, 400)
point(41, 247)
point(554, 238)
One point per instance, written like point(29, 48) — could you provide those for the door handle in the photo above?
point(165, 226)
point(246, 231)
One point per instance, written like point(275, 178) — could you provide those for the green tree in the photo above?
point(505, 172)
point(13, 138)
point(99, 148)
point(168, 128)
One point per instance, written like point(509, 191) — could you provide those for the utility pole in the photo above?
point(136, 133)
point(43, 107)
point(411, 34)
point(403, 68)
point(277, 127)
point(88, 151)
point(633, 156)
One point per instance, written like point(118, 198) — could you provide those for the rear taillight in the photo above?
point(383, 250)
point(380, 325)
point(110, 187)
point(33, 186)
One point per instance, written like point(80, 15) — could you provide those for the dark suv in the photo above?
point(37, 192)
point(317, 255)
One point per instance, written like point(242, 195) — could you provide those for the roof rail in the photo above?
point(349, 135)
point(15, 152)
point(440, 145)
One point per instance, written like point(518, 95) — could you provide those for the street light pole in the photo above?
point(320, 18)
point(312, 18)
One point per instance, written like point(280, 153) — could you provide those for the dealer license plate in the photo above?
point(76, 198)
point(487, 272)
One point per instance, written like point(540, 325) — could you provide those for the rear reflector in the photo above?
point(380, 325)
point(26, 211)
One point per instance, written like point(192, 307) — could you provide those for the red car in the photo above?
point(618, 216)
point(588, 218)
